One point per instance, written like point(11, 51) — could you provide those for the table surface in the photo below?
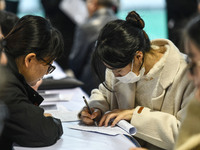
point(76, 139)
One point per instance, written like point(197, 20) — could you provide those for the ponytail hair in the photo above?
point(34, 34)
point(118, 42)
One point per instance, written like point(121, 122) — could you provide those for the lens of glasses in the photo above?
point(51, 69)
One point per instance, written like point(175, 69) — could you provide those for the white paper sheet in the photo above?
point(123, 127)
point(48, 97)
point(63, 115)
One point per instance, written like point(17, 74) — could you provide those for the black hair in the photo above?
point(192, 30)
point(106, 3)
point(34, 34)
point(118, 42)
point(7, 21)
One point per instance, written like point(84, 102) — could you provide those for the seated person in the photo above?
point(146, 83)
point(100, 12)
point(189, 134)
point(31, 47)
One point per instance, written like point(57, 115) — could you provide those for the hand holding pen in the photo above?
point(89, 115)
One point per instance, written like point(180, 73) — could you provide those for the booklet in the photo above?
point(122, 127)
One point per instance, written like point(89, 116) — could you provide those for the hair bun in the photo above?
point(135, 19)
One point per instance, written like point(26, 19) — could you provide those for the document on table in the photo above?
point(54, 96)
point(122, 127)
point(63, 114)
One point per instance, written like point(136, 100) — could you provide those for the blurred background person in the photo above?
point(189, 135)
point(100, 12)
point(12, 6)
point(2, 4)
point(3, 108)
point(64, 24)
point(178, 14)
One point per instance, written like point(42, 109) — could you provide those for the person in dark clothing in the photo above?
point(3, 108)
point(31, 47)
point(7, 21)
point(64, 24)
point(12, 6)
point(100, 13)
point(178, 14)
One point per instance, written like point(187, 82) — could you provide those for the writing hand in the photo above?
point(88, 118)
point(116, 115)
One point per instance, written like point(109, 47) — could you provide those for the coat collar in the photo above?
point(171, 65)
point(172, 62)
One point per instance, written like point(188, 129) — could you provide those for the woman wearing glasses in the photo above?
point(146, 83)
point(31, 47)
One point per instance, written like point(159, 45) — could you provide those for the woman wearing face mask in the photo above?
point(146, 83)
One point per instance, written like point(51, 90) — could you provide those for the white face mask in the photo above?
point(131, 77)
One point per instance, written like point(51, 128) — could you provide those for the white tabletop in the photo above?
point(83, 140)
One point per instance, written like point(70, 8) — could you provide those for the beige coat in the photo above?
point(158, 124)
point(189, 135)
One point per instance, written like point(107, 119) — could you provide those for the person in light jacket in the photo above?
point(146, 83)
point(189, 134)
point(30, 47)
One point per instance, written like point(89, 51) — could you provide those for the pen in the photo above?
point(90, 111)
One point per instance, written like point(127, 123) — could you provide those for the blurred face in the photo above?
point(33, 69)
point(2, 5)
point(194, 62)
point(91, 6)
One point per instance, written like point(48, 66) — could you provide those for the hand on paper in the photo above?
point(88, 118)
point(116, 115)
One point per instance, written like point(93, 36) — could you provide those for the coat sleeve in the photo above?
point(27, 125)
point(160, 128)
point(101, 97)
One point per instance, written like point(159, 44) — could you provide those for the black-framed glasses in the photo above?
point(51, 68)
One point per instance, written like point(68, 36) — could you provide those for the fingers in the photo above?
point(88, 118)
point(85, 113)
point(105, 120)
point(96, 113)
point(87, 121)
point(116, 115)
point(108, 118)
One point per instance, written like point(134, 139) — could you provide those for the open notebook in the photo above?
point(122, 127)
